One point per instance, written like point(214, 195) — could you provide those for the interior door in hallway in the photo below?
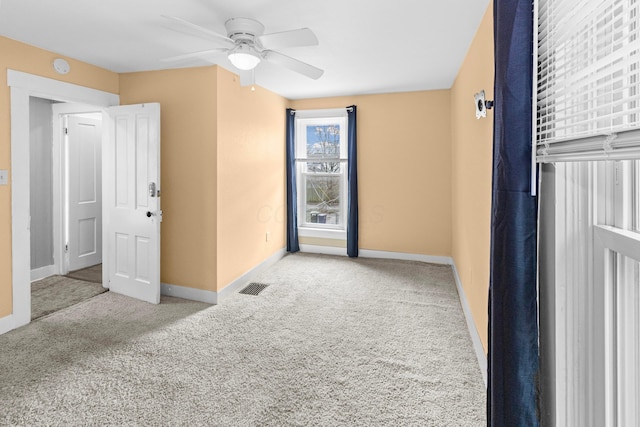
point(84, 190)
point(132, 212)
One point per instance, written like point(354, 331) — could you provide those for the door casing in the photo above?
point(23, 86)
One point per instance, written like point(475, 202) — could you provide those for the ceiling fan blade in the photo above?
point(198, 31)
point(201, 54)
point(293, 38)
point(292, 64)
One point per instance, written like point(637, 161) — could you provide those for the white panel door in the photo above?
point(131, 201)
point(84, 190)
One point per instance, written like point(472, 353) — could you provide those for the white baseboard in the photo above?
point(212, 297)
point(246, 277)
point(323, 250)
point(368, 253)
point(473, 331)
point(43, 272)
point(6, 324)
point(209, 297)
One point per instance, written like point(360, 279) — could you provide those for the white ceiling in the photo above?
point(366, 46)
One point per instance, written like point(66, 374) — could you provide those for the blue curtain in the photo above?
point(513, 325)
point(352, 183)
point(292, 202)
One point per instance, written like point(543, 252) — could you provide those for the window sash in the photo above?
point(302, 199)
point(301, 135)
point(588, 79)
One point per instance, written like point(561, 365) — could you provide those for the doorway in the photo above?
point(132, 214)
point(65, 178)
point(66, 187)
point(78, 174)
point(23, 86)
point(131, 200)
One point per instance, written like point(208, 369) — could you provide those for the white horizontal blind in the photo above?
point(588, 92)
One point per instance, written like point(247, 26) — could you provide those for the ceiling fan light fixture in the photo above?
point(244, 57)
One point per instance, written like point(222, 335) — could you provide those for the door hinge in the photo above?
point(66, 131)
point(66, 248)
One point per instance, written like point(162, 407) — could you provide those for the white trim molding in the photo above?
point(369, 253)
point(43, 272)
point(7, 324)
point(246, 277)
point(213, 297)
point(193, 294)
point(56, 90)
point(613, 366)
point(23, 86)
point(431, 259)
point(323, 250)
point(473, 331)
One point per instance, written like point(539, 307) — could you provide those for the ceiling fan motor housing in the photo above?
point(244, 30)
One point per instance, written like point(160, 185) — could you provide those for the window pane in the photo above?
point(323, 200)
point(323, 141)
point(323, 167)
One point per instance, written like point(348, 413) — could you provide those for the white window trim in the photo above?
point(324, 116)
point(608, 241)
point(322, 233)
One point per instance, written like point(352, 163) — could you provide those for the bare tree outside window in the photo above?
point(324, 175)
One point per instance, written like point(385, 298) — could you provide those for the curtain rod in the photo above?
point(350, 109)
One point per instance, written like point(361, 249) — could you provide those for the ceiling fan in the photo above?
point(246, 46)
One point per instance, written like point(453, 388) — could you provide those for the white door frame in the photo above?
point(59, 185)
point(23, 86)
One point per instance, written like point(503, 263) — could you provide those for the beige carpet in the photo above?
point(331, 342)
point(57, 292)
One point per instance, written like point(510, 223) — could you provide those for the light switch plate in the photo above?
point(4, 177)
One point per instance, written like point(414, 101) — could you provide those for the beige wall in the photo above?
point(251, 176)
point(28, 59)
point(424, 165)
point(189, 173)
point(404, 167)
point(222, 172)
point(472, 164)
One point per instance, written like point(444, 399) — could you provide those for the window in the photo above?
point(321, 166)
point(588, 124)
point(597, 291)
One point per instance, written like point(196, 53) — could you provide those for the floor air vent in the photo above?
point(254, 288)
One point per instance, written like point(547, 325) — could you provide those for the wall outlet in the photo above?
point(266, 237)
point(4, 177)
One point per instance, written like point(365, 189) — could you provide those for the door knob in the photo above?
point(156, 213)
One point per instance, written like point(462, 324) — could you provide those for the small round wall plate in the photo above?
point(61, 66)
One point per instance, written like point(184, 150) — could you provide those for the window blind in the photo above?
point(588, 80)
